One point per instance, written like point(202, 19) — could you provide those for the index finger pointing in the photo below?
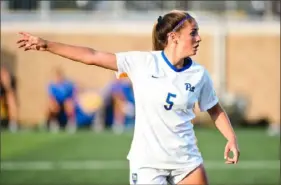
point(24, 34)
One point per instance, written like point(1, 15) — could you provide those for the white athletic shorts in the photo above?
point(145, 175)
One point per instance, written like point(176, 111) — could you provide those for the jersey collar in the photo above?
point(189, 63)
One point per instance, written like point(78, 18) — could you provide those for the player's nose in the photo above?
point(198, 38)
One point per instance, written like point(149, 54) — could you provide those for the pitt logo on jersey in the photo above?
point(189, 87)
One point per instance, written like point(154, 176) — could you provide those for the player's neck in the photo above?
point(174, 59)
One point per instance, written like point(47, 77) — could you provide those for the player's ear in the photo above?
point(173, 36)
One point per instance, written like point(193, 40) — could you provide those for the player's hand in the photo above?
point(31, 42)
point(231, 146)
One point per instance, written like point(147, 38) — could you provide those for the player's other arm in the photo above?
point(81, 54)
point(224, 126)
point(220, 117)
point(208, 101)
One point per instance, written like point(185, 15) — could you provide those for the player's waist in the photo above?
point(165, 162)
point(154, 128)
point(164, 147)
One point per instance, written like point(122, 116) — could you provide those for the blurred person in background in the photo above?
point(123, 104)
point(60, 112)
point(117, 94)
point(8, 100)
point(273, 129)
point(167, 83)
point(86, 104)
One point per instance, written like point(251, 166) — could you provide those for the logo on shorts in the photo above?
point(134, 177)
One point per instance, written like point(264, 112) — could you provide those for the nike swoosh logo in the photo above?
point(154, 76)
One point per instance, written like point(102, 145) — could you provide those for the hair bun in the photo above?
point(159, 20)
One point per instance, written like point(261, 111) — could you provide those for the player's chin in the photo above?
point(191, 52)
point(194, 52)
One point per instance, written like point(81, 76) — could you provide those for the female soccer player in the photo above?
point(167, 83)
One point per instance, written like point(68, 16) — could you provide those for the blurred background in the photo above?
point(67, 123)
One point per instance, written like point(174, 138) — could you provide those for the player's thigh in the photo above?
point(53, 106)
point(196, 176)
point(143, 176)
point(68, 106)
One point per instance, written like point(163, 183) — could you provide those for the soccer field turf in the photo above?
point(100, 158)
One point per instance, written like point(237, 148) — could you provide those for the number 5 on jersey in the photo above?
point(169, 101)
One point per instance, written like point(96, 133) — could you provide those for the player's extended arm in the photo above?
point(81, 54)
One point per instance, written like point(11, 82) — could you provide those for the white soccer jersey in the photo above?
point(165, 96)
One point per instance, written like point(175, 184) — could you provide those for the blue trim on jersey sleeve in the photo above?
point(173, 67)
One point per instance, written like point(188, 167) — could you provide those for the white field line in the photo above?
point(123, 165)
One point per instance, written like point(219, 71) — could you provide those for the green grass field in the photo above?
point(100, 158)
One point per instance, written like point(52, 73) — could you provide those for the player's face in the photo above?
point(189, 39)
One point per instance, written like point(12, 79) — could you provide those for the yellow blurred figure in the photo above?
point(89, 101)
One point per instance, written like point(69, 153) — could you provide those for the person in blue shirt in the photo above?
point(60, 112)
